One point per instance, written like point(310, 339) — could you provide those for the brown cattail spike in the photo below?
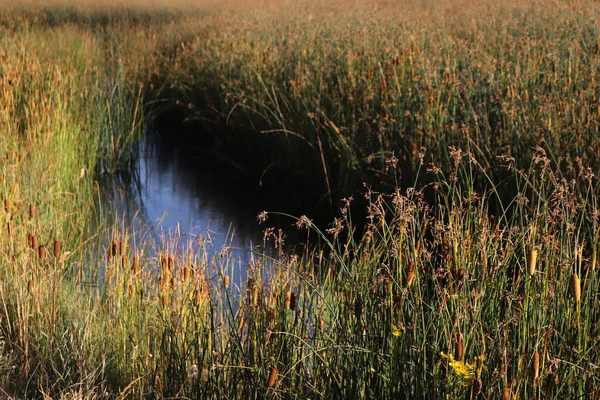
point(30, 286)
point(124, 261)
point(288, 299)
point(575, 287)
point(535, 366)
point(185, 274)
point(136, 265)
point(410, 273)
point(56, 248)
point(42, 252)
point(121, 247)
point(113, 249)
point(34, 242)
point(272, 377)
point(9, 228)
point(131, 290)
point(506, 394)
point(31, 211)
point(459, 347)
point(533, 255)
point(226, 281)
point(293, 301)
point(170, 264)
point(7, 206)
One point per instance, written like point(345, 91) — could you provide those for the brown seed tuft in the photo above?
point(575, 287)
point(533, 255)
point(410, 273)
point(135, 268)
point(170, 263)
point(113, 249)
point(459, 347)
point(31, 211)
point(56, 248)
point(293, 301)
point(535, 366)
point(272, 377)
point(185, 274)
point(42, 252)
point(34, 242)
point(163, 262)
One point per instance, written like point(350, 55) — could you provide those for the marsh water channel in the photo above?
point(180, 199)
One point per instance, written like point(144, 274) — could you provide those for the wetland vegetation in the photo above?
point(454, 146)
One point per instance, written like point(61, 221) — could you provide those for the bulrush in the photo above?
point(34, 242)
point(293, 301)
point(410, 273)
point(288, 300)
point(124, 261)
point(32, 211)
point(42, 252)
point(459, 347)
point(575, 287)
point(113, 249)
point(506, 394)
point(122, 247)
point(185, 274)
point(7, 207)
point(226, 281)
point(170, 263)
point(533, 255)
point(56, 248)
point(131, 291)
point(163, 262)
point(272, 377)
point(30, 286)
point(535, 366)
point(135, 268)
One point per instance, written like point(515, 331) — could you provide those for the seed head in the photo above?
point(533, 255)
point(575, 287)
point(272, 377)
point(56, 248)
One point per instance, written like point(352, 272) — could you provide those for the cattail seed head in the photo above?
point(135, 268)
point(226, 281)
point(288, 299)
point(293, 301)
point(575, 287)
point(459, 347)
point(30, 286)
point(535, 366)
point(170, 263)
point(272, 377)
point(131, 290)
point(34, 242)
point(42, 252)
point(113, 249)
point(10, 228)
point(410, 273)
point(7, 207)
point(506, 394)
point(533, 255)
point(164, 301)
point(163, 262)
point(185, 274)
point(124, 261)
point(56, 248)
point(122, 247)
point(32, 211)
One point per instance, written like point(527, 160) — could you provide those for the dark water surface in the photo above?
point(176, 193)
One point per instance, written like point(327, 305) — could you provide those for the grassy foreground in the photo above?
point(476, 275)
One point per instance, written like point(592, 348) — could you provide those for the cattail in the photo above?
point(42, 252)
point(575, 287)
point(185, 274)
point(113, 249)
point(170, 263)
point(121, 247)
point(164, 300)
point(272, 377)
point(410, 273)
point(535, 366)
point(293, 301)
point(506, 394)
point(56, 248)
point(226, 281)
point(358, 308)
point(34, 242)
point(131, 290)
point(459, 347)
point(163, 262)
point(135, 268)
point(7, 206)
point(533, 255)
point(30, 286)
point(124, 261)
point(31, 211)
point(288, 299)
point(9, 228)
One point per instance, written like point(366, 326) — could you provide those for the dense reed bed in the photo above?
point(473, 126)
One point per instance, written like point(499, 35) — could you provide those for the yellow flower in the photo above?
point(466, 371)
point(395, 330)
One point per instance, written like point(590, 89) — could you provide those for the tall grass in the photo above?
point(476, 273)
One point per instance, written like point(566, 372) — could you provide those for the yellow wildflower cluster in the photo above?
point(467, 371)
